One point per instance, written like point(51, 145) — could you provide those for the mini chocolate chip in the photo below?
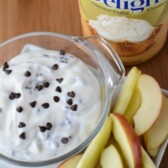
point(17, 95)
point(21, 125)
point(46, 84)
point(48, 126)
point(56, 98)
point(19, 109)
point(22, 135)
point(59, 80)
point(71, 94)
point(45, 55)
point(55, 67)
point(5, 66)
point(39, 87)
point(58, 89)
point(45, 105)
point(70, 102)
point(12, 96)
point(33, 104)
point(64, 140)
point(42, 128)
point(62, 52)
point(74, 107)
point(8, 71)
point(27, 73)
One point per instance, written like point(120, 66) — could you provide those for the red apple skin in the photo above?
point(132, 138)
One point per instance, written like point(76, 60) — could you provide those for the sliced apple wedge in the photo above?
point(91, 156)
point(155, 136)
point(153, 152)
point(71, 162)
point(146, 160)
point(151, 102)
point(127, 139)
point(110, 158)
point(127, 90)
point(133, 106)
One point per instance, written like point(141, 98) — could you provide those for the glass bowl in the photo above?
point(93, 51)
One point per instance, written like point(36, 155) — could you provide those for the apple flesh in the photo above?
point(155, 136)
point(153, 152)
point(126, 91)
point(133, 106)
point(91, 156)
point(110, 158)
point(151, 102)
point(146, 160)
point(127, 140)
point(71, 162)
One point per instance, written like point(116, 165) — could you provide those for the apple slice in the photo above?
point(126, 91)
point(127, 139)
point(151, 102)
point(155, 136)
point(91, 156)
point(98, 165)
point(110, 158)
point(133, 106)
point(146, 160)
point(153, 152)
point(71, 162)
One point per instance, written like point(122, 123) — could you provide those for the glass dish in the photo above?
point(93, 51)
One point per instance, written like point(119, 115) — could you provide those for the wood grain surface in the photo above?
point(62, 16)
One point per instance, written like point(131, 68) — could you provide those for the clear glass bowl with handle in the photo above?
point(94, 51)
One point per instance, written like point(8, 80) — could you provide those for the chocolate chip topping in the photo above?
point(74, 107)
point(69, 101)
point(45, 105)
point(42, 128)
point(21, 125)
point(12, 96)
point(64, 140)
point(27, 73)
point(56, 99)
point(59, 80)
point(17, 95)
point(55, 67)
point(62, 52)
point(33, 104)
point(7, 71)
point(58, 89)
point(19, 109)
point(5, 66)
point(39, 87)
point(22, 135)
point(48, 126)
point(46, 84)
point(71, 94)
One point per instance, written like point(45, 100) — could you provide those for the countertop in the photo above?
point(22, 16)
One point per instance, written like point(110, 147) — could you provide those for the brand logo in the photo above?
point(137, 6)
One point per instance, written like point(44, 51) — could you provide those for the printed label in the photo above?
point(132, 27)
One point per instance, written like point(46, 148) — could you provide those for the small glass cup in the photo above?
point(93, 51)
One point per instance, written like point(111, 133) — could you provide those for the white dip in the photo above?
point(49, 103)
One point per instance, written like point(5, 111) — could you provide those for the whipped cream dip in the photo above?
point(49, 103)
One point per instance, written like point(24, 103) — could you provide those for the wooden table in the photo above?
point(62, 16)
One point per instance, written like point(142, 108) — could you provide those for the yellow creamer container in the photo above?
point(136, 29)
